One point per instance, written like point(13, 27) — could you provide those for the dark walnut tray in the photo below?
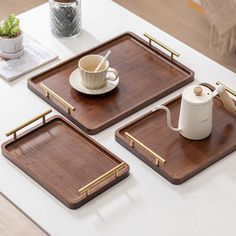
point(64, 161)
point(174, 157)
point(146, 75)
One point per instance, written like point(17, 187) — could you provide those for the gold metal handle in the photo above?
point(101, 178)
point(153, 154)
point(28, 123)
point(227, 88)
point(49, 92)
point(151, 38)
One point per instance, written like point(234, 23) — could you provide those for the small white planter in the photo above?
point(11, 45)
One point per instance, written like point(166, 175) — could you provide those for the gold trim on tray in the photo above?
point(231, 91)
point(157, 157)
point(151, 38)
point(28, 123)
point(86, 189)
point(49, 92)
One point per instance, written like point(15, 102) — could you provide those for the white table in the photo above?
point(144, 203)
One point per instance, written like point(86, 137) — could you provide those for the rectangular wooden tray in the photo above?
point(64, 161)
point(181, 158)
point(145, 73)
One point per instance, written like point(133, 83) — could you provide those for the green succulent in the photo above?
point(10, 27)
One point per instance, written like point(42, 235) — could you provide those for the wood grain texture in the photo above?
point(62, 159)
point(17, 6)
point(14, 222)
point(184, 158)
point(146, 75)
point(183, 22)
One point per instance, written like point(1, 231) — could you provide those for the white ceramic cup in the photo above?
point(95, 80)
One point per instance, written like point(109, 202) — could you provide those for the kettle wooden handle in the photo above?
point(227, 101)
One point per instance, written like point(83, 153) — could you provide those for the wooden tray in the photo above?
point(146, 75)
point(64, 161)
point(13, 221)
point(176, 158)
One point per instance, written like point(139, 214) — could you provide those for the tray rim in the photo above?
point(174, 180)
point(72, 204)
point(124, 34)
point(115, 119)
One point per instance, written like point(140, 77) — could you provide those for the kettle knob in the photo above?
point(197, 90)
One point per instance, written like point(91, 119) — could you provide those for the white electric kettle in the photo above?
point(195, 119)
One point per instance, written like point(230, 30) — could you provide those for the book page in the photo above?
point(35, 55)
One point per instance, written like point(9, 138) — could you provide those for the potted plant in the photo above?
point(11, 37)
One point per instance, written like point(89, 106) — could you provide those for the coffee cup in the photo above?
point(95, 80)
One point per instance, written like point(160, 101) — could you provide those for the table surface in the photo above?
point(144, 203)
point(15, 222)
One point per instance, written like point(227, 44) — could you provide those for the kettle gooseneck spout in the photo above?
point(168, 117)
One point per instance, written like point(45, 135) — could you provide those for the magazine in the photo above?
point(35, 55)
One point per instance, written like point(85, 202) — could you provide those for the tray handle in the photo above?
point(152, 39)
point(133, 140)
point(49, 92)
point(231, 91)
point(101, 178)
point(14, 131)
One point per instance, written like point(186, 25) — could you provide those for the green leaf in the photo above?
point(15, 30)
point(10, 26)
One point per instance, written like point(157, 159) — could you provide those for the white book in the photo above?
point(35, 55)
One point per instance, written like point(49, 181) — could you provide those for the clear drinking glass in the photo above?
point(65, 17)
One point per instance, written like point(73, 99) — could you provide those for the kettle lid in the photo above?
point(197, 94)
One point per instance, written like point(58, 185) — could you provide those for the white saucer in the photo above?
point(75, 82)
point(11, 55)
